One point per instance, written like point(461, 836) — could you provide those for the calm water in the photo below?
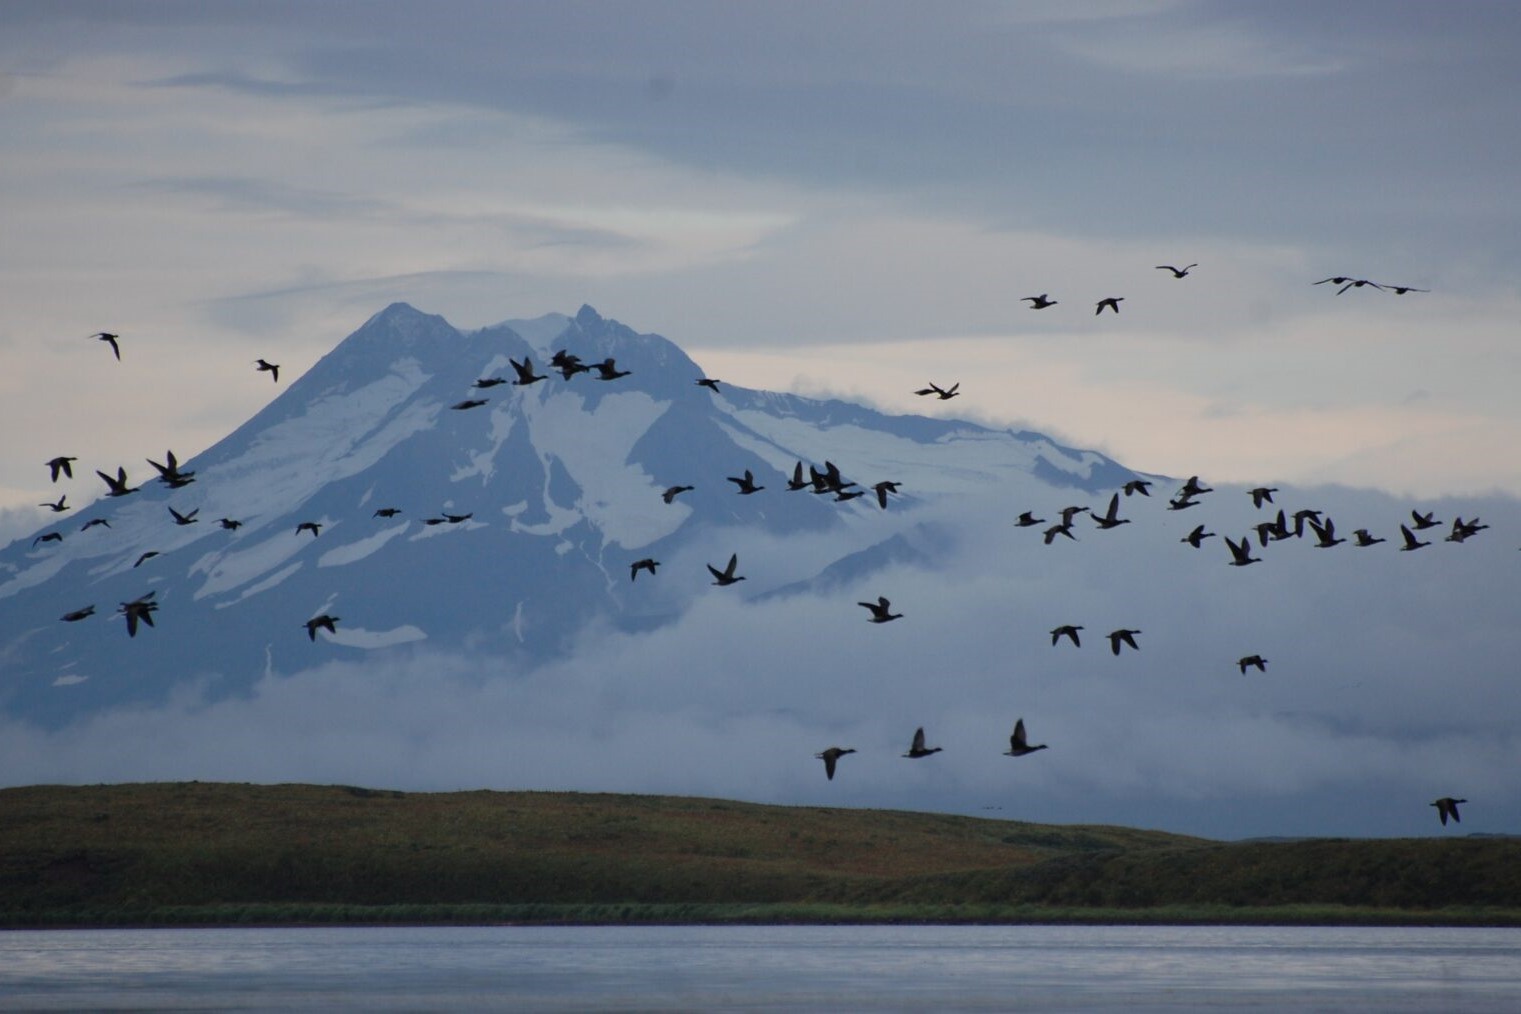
point(1063, 968)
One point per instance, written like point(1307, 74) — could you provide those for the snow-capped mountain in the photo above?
point(516, 520)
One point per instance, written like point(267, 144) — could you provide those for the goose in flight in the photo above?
point(58, 506)
point(1424, 521)
point(48, 537)
point(139, 609)
point(797, 481)
point(1462, 530)
point(710, 383)
point(1193, 487)
point(1366, 538)
point(1065, 528)
point(309, 526)
point(1039, 302)
point(1177, 272)
point(1400, 290)
point(1357, 283)
point(1111, 518)
point(1018, 744)
point(1448, 807)
point(264, 366)
point(169, 472)
point(726, 576)
point(109, 339)
point(831, 757)
point(230, 524)
point(608, 370)
point(1113, 302)
point(78, 614)
point(525, 373)
point(93, 522)
point(568, 364)
point(184, 519)
point(1181, 503)
point(917, 748)
point(461, 406)
point(746, 483)
point(118, 486)
point(61, 464)
point(386, 512)
point(638, 565)
point(329, 623)
point(1120, 637)
point(1411, 542)
point(1027, 519)
point(1141, 486)
point(1196, 537)
point(881, 610)
point(1252, 660)
point(1325, 533)
point(144, 558)
point(943, 393)
point(883, 488)
point(672, 492)
point(1262, 495)
point(487, 382)
point(1241, 552)
point(1068, 631)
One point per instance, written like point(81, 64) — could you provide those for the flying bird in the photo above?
point(797, 481)
point(61, 465)
point(608, 370)
point(1241, 552)
point(1325, 533)
point(1018, 745)
point(1400, 290)
point(1065, 528)
point(1027, 519)
point(1335, 280)
point(943, 393)
point(273, 369)
point(1193, 487)
point(1111, 518)
point(831, 756)
point(118, 486)
point(709, 383)
point(883, 488)
point(93, 522)
point(638, 565)
point(150, 554)
point(325, 621)
point(460, 406)
point(1113, 302)
point(109, 339)
point(525, 373)
point(1448, 807)
point(880, 610)
point(386, 512)
point(48, 537)
point(1039, 302)
point(1424, 521)
point(1068, 631)
point(230, 524)
point(1196, 537)
point(1122, 636)
point(58, 506)
point(725, 576)
point(1366, 538)
point(672, 492)
point(1411, 542)
point(1462, 530)
point(309, 526)
point(1357, 283)
point(169, 472)
point(138, 610)
point(488, 382)
point(917, 748)
point(1181, 503)
point(184, 519)
point(1177, 272)
point(1140, 486)
point(746, 483)
point(1262, 495)
point(78, 614)
point(1252, 660)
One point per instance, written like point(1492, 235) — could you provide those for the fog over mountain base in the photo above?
point(511, 649)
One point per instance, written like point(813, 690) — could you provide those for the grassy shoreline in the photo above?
point(209, 854)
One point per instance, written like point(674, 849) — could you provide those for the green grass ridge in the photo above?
point(194, 853)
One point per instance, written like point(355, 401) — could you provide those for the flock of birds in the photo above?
point(830, 482)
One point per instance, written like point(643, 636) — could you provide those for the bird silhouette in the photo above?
point(883, 488)
point(144, 558)
point(1424, 521)
point(638, 565)
point(746, 483)
point(386, 512)
point(1196, 537)
point(109, 339)
point(1241, 552)
point(725, 576)
point(1110, 518)
point(1356, 283)
point(1122, 637)
point(61, 465)
point(1193, 487)
point(525, 373)
point(880, 610)
point(138, 610)
point(184, 519)
point(170, 473)
point(1140, 486)
point(1181, 502)
point(329, 623)
point(568, 364)
point(1065, 528)
point(797, 482)
point(917, 748)
point(468, 403)
point(672, 492)
point(57, 506)
point(1462, 530)
point(1400, 290)
point(309, 526)
point(231, 524)
point(1262, 495)
point(1335, 280)
point(488, 382)
point(1252, 660)
point(78, 614)
point(1039, 302)
point(608, 370)
point(1113, 302)
point(831, 757)
point(48, 537)
point(273, 369)
point(1448, 807)
point(1366, 538)
point(709, 383)
point(1018, 745)
point(1068, 631)
point(943, 393)
point(1027, 519)
point(93, 522)
point(1411, 542)
point(118, 486)
point(1325, 534)
point(1177, 272)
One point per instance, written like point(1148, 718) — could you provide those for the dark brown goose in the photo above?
point(328, 623)
point(917, 748)
point(832, 756)
point(881, 610)
point(273, 369)
point(1448, 807)
point(61, 465)
point(726, 576)
point(1018, 745)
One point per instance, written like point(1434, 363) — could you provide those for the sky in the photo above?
point(832, 199)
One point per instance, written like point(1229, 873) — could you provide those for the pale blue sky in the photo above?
point(841, 198)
